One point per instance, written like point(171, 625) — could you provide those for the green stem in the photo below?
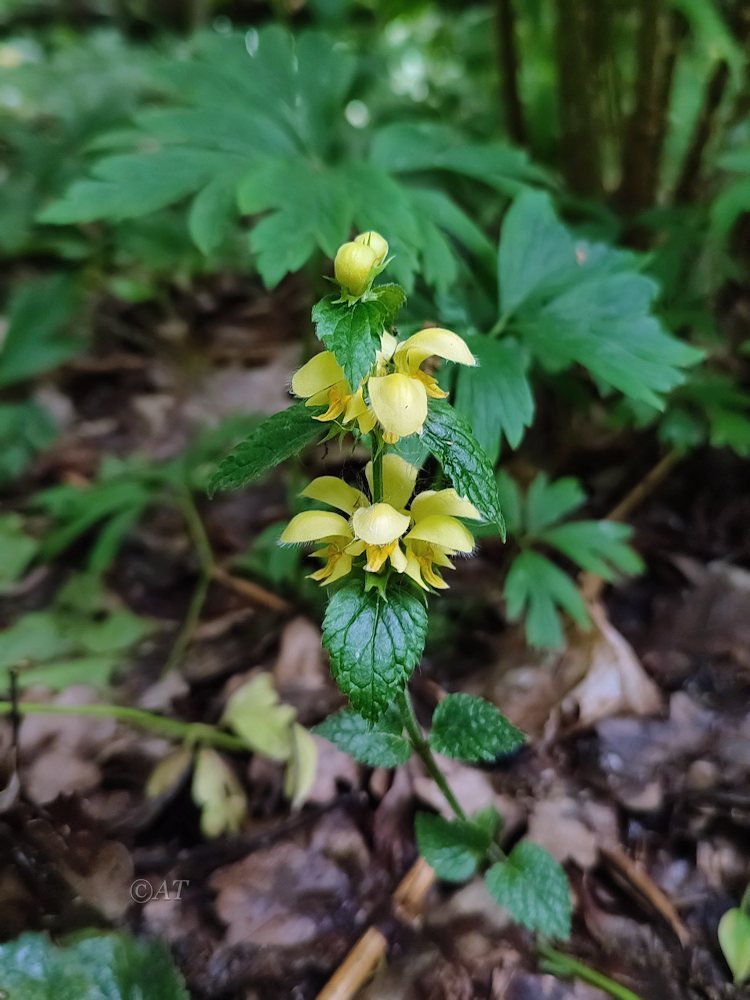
point(377, 468)
point(424, 752)
point(196, 732)
point(560, 964)
point(206, 563)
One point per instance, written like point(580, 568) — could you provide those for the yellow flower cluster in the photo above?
point(397, 390)
point(417, 538)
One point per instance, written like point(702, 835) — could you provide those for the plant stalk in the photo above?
point(195, 732)
point(424, 752)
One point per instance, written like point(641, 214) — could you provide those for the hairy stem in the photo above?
point(560, 964)
point(197, 732)
point(424, 752)
point(206, 564)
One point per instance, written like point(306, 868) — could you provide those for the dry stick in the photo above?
point(590, 584)
point(371, 949)
point(252, 592)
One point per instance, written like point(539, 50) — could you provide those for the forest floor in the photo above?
point(637, 775)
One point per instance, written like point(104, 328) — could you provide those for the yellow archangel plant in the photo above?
point(383, 542)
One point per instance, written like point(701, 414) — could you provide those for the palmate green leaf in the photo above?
point(533, 888)
point(534, 590)
point(547, 503)
point(284, 434)
point(597, 546)
point(496, 396)
point(575, 303)
point(106, 966)
point(448, 437)
point(469, 728)
point(454, 848)
point(374, 642)
point(39, 313)
point(381, 744)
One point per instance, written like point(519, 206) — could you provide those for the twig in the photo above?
point(686, 188)
point(371, 949)
point(590, 583)
point(252, 592)
point(639, 879)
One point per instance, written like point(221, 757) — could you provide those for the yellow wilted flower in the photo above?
point(437, 535)
point(256, 714)
point(399, 399)
point(300, 769)
point(219, 794)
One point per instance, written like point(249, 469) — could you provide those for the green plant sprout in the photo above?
point(384, 545)
point(734, 938)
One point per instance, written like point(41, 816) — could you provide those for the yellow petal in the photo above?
point(300, 771)
point(355, 548)
point(342, 566)
point(335, 492)
point(319, 373)
point(413, 569)
point(377, 243)
point(433, 342)
point(379, 524)
point(398, 480)
point(442, 502)
point(312, 525)
point(399, 403)
point(446, 532)
point(388, 345)
point(398, 559)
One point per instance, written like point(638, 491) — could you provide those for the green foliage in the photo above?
point(533, 888)
point(374, 643)
point(37, 338)
point(82, 638)
point(25, 429)
point(379, 744)
point(111, 966)
point(352, 332)
point(264, 130)
point(734, 938)
point(448, 436)
point(454, 848)
point(574, 302)
point(709, 407)
point(496, 398)
point(470, 728)
point(535, 588)
point(284, 434)
point(17, 547)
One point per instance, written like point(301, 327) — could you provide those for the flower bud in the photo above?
point(375, 242)
point(354, 267)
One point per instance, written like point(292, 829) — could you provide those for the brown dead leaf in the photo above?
point(299, 666)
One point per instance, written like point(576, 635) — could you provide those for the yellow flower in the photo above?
point(354, 266)
point(437, 535)
point(321, 382)
point(399, 399)
point(374, 529)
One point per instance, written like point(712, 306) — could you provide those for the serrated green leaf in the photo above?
point(469, 728)
point(448, 436)
point(351, 332)
point(495, 397)
point(391, 297)
point(597, 546)
point(573, 302)
point(533, 888)
point(377, 745)
point(284, 434)
point(547, 503)
point(734, 938)
point(534, 589)
point(213, 212)
point(374, 643)
point(111, 966)
point(453, 848)
point(510, 502)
